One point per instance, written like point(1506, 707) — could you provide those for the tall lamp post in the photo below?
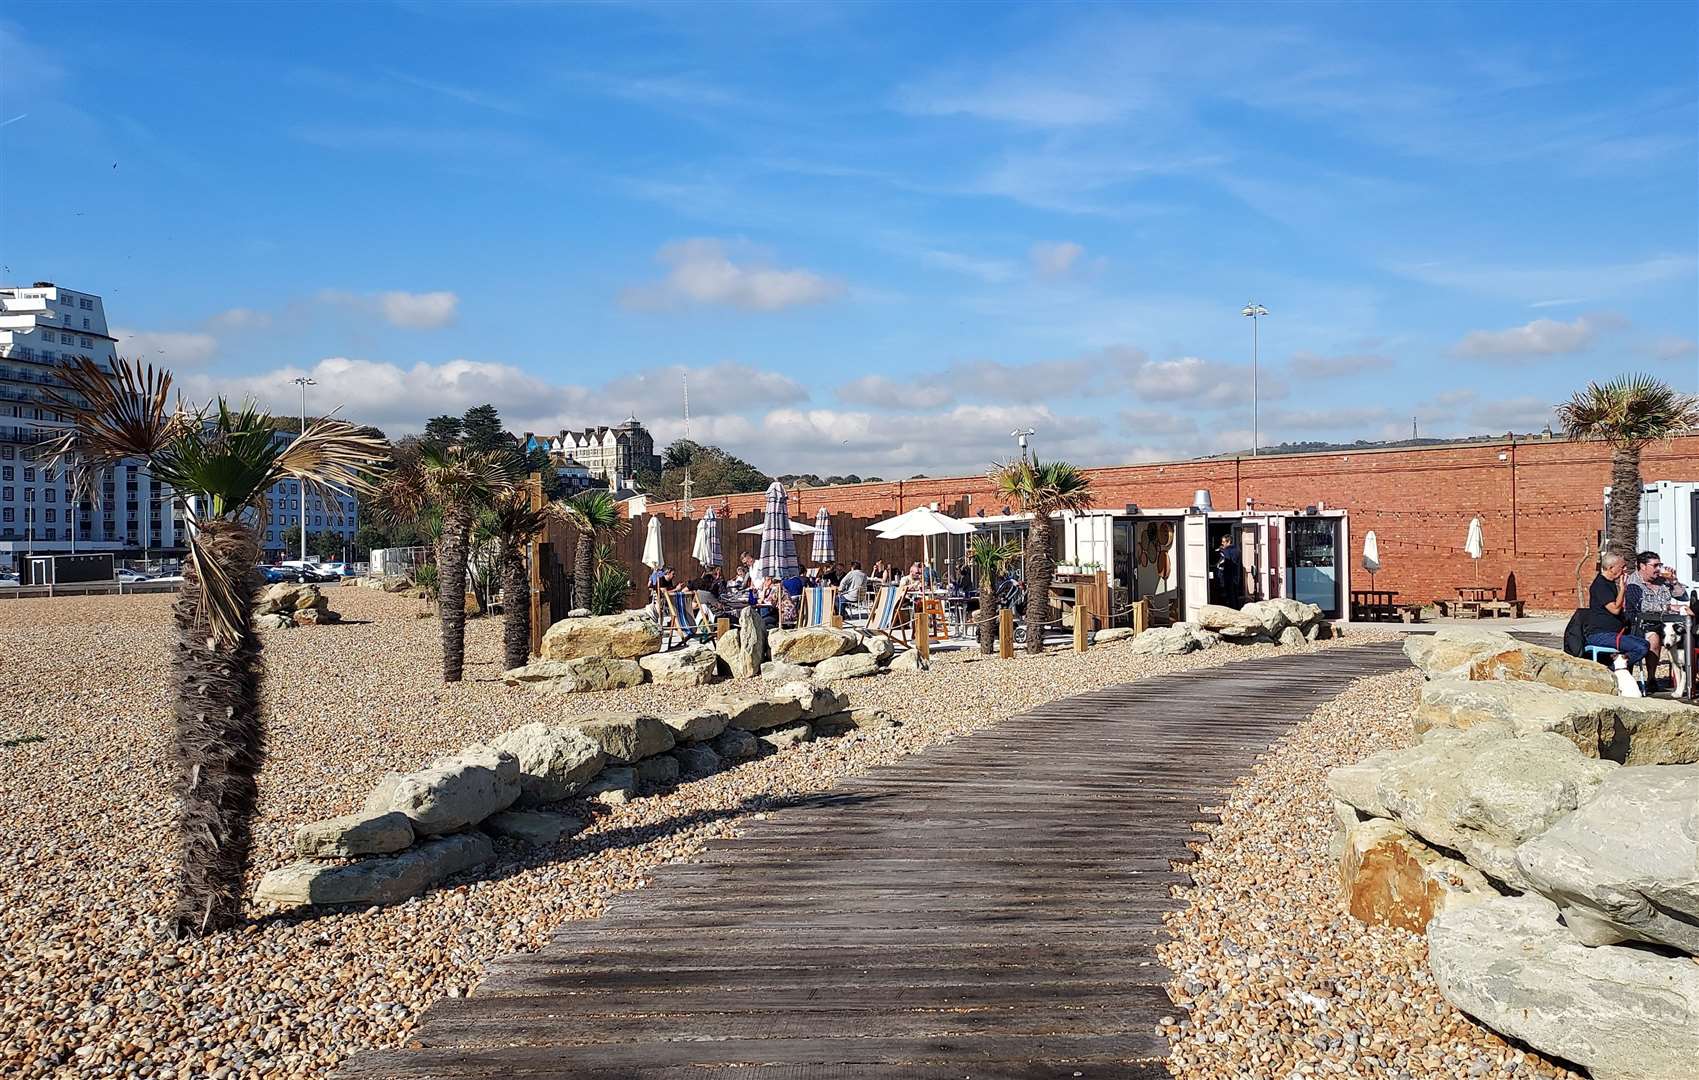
point(303, 382)
point(1253, 312)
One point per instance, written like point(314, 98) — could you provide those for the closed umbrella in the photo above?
point(1474, 547)
point(652, 544)
point(798, 528)
point(778, 544)
point(707, 549)
point(825, 547)
point(699, 542)
point(1371, 555)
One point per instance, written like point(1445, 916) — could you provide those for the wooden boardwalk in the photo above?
point(986, 910)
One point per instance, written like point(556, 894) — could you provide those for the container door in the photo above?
point(1312, 563)
point(1194, 562)
point(1252, 559)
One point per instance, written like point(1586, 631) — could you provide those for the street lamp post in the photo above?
point(303, 382)
point(1254, 311)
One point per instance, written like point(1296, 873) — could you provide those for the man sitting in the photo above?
point(852, 587)
point(1607, 626)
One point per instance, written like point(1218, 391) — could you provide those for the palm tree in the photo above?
point(1040, 490)
point(593, 515)
point(221, 464)
point(991, 560)
point(458, 483)
point(1629, 412)
point(514, 524)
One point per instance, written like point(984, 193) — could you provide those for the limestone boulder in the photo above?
point(1625, 867)
point(781, 705)
point(1113, 634)
point(696, 664)
point(909, 662)
point(311, 598)
point(815, 699)
point(380, 879)
point(1620, 1013)
point(538, 671)
point(854, 665)
point(396, 583)
point(315, 617)
point(534, 828)
point(613, 786)
point(628, 737)
point(1483, 796)
point(1358, 785)
point(1244, 635)
point(697, 760)
point(780, 672)
point(1220, 617)
point(698, 725)
point(457, 791)
point(623, 636)
point(354, 834)
point(841, 723)
point(657, 772)
point(1631, 731)
point(555, 760)
point(1548, 667)
point(744, 649)
point(281, 598)
point(735, 744)
point(1390, 878)
point(1292, 636)
point(273, 622)
point(810, 644)
point(1275, 616)
point(878, 646)
point(783, 738)
point(1164, 641)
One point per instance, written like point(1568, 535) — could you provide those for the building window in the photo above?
point(8, 514)
point(52, 495)
point(87, 343)
point(8, 494)
point(29, 475)
point(86, 305)
point(67, 339)
point(6, 472)
point(6, 452)
point(53, 515)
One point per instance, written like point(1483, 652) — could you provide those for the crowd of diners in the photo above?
point(779, 601)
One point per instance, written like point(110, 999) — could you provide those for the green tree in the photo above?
point(1628, 413)
point(514, 524)
point(223, 462)
point(457, 483)
point(712, 472)
point(443, 430)
point(1040, 490)
point(328, 546)
point(481, 431)
point(594, 515)
point(991, 560)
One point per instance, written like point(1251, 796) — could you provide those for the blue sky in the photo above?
point(878, 237)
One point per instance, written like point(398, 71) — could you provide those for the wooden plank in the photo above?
point(972, 911)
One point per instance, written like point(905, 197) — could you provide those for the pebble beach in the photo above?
point(94, 989)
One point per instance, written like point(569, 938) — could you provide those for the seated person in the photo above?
point(1652, 594)
point(1607, 625)
point(707, 591)
point(830, 574)
point(853, 585)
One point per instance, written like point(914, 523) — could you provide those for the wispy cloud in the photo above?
point(1537, 284)
point(466, 95)
point(701, 273)
point(1540, 338)
point(1311, 365)
point(406, 310)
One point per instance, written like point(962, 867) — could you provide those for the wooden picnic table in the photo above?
point(1482, 602)
point(1373, 604)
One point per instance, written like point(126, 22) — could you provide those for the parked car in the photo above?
point(126, 576)
point(8, 581)
point(290, 574)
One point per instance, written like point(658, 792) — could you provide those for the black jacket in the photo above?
point(1575, 633)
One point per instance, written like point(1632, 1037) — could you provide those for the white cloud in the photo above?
point(1671, 347)
point(240, 319)
point(884, 392)
point(1522, 414)
point(1146, 422)
point(991, 381)
point(700, 273)
point(1055, 260)
point(1542, 337)
point(408, 310)
point(1315, 366)
point(173, 348)
point(1206, 383)
point(990, 271)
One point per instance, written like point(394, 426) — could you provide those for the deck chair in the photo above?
point(886, 615)
point(678, 621)
point(819, 605)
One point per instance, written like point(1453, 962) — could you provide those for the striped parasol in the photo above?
point(825, 548)
point(707, 547)
point(778, 546)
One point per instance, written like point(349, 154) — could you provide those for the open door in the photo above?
point(1253, 558)
point(1194, 563)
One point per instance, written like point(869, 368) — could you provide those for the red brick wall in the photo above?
point(1540, 504)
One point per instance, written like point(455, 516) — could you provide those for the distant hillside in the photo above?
point(1370, 444)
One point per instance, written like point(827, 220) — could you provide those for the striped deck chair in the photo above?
point(819, 605)
point(886, 615)
point(678, 622)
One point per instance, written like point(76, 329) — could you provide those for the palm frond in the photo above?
point(221, 554)
point(1629, 411)
point(451, 479)
point(595, 512)
point(331, 456)
point(126, 413)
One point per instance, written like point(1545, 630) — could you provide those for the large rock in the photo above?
point(554, 760)
point(532, 827)
point(612, 786)
point(815, 699)
point(1112, 634)
point(1622, 1014)
point(1448, 653)
point(810, 644)
point(878, 646)
point(698, 725)
point(1220, 617)
point(273, 622)
point(538, 671)
point(744, 649)
point(1275, 616)
point(783, 738)
point(1391, 878)
point(628, 738)
point(1633, 731)
point(1165, 641)
point(1493, 656)
point(284, 598)
point(1251, 634)
point(697, 760)
point(457, 791)
point(1292, 637)
point(780, 672)
point(781, 705)
point(625, 636)
point(909, 661)
point(842, 723)
point(657, 772)
point(1625, 867)
point(854, 665)
point(735, 744)
point(321, 616)
point(1478, 794)
point(381, 879)
point(694, 665)
point(354, 834)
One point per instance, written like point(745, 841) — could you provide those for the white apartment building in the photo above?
point(612, 454)
point(40, 327)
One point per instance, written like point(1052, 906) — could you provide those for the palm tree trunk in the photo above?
point(516, 610)
point(987, 627)
point(220, 742)
point(451, 575)
point(584, 570)
point(1040, 567)
point(1624, 533)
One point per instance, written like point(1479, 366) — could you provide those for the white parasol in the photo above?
point(924, 522)
point(652, 544)
point(1371, 555)
point(1474, 546)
